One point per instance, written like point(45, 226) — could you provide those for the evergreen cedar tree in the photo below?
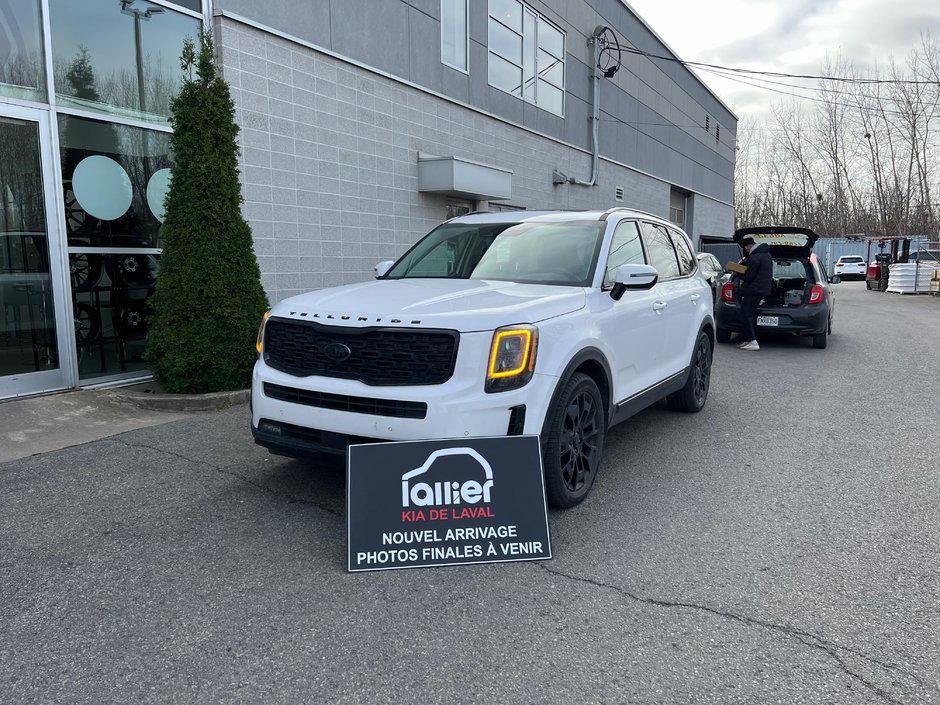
point(209, 300)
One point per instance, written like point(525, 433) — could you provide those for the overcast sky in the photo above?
point(792, 36)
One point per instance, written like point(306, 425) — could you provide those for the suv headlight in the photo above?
point(260, 340)
point(512, 358)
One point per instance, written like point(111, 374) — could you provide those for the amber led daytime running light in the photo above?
point(264, 318)
point(500, 336)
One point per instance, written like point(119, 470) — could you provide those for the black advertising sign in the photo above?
point(453, 502)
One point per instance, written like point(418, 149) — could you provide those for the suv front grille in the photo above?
point(374, 356)
point(342, 402)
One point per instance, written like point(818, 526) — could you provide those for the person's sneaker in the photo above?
point(750, 346)
point(743, 343)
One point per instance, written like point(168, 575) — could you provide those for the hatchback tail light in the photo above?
point(816, 294)
point(727, 292)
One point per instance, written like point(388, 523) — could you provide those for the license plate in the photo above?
point(768, 320)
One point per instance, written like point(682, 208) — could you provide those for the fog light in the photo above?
point(270, 427)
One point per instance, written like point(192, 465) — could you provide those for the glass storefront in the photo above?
point(80, 231)
point(27, 313)
point(114, 182)
point(114, 178)
point(22, 70)
point(118, 56)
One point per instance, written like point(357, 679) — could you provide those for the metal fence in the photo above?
point(827, 250)
point(723, 251)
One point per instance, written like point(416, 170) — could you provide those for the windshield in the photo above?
point(528, 253)
point(789, 268)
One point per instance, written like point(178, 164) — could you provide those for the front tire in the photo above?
point(692, 397)
point(573, 441)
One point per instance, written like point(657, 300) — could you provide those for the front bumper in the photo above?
point(459, 408)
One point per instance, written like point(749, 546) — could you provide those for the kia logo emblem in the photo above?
point(337, 352)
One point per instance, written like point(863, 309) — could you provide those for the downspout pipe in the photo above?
point(595, 40)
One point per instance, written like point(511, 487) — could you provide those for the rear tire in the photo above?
point(573, 441)
point(821, 340)
point(691, 398)
point(723, 336)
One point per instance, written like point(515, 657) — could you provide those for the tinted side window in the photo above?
point(625, 248)
point(684, 251)
point(818, 273)
point(660, 251)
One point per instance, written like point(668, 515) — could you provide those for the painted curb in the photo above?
point(214, 401)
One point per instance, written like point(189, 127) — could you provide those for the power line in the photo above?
point(817, 89)
point(857, 106)
point(777, 74)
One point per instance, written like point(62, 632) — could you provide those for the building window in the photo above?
point(21, 54)
point(677, 201)
point(115, 178)
point(118, 57)
point(707, 123)
point(454, 38)
point(457, 207)
point(526, 55)
point(717, 132)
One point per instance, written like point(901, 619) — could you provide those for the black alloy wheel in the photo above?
point(130, 320)
point(692, 397)
point(87, 322)
point(77, 221)
point(574, 441)
point(132, 270)
point(85, 270)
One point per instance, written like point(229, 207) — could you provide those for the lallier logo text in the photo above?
point(447, 499)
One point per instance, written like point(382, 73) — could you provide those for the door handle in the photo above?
point(695, 297)
point(659, 305)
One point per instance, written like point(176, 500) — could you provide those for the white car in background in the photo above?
point(850, 266)
point(555, 324)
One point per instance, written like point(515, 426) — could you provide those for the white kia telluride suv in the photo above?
point(558, 324)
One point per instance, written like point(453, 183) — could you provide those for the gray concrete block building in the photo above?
point(364, 123)
point(340, 102)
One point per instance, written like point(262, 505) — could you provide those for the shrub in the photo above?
point(209, 299)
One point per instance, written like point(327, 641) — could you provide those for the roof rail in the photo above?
point(616, 209)
point(468, 213)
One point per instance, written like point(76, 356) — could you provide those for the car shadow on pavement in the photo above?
point(774, 340)
point(318, 482)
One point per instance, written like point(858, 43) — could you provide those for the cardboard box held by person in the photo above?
point(735, 267)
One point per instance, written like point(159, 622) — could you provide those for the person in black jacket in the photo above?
point(756, 285)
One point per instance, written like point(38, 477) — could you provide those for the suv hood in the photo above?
point(783, 240)
point(465, 305)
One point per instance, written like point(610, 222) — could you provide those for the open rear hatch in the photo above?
point(784, 241)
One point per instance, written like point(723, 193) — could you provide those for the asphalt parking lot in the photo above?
point(783, 546)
